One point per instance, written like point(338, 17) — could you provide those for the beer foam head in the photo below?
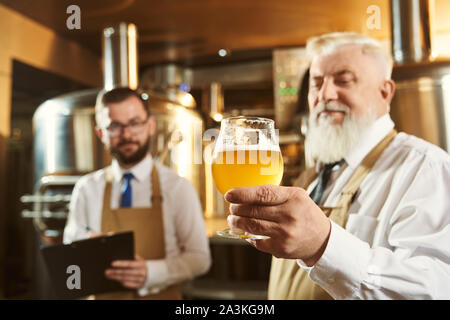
point(247, 133)
point(262, 143)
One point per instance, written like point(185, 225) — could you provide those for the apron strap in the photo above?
point(108, 188)
point(359, 175)
point(156, 189)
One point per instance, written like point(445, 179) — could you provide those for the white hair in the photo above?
point(328, 43)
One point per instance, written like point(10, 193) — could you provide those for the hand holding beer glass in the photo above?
point(246, 153)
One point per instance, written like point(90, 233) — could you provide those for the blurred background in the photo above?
point(196, 61)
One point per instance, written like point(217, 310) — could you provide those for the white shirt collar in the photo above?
point(369, 139)
point(140, 171)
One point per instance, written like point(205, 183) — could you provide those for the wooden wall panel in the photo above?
point(36, 45)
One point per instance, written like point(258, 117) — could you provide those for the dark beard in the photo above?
point(135, 157)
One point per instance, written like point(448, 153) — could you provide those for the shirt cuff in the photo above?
point(157, 277)
point(340, 269)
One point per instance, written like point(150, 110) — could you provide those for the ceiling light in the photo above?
point(218, 117)
point(223, 52)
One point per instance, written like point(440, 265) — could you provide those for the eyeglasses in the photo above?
point(135, 127)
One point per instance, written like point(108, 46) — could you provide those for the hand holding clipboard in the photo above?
point(78, 269)
point(130, 273)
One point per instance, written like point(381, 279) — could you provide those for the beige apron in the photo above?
point(148, 227)
point(287, 280)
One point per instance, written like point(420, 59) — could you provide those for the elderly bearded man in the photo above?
point(370, 219)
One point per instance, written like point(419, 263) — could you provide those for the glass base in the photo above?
point(239, 234)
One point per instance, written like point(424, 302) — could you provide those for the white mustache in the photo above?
point(330, 106)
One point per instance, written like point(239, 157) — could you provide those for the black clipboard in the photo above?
point(78, 269)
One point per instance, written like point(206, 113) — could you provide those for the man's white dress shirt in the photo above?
point(187, 246)
point(396, 243)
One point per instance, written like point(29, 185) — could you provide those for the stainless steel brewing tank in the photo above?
point(65, 142)
point(177, 142)
point(421, 104)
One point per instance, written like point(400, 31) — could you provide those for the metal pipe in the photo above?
point(217, 101)
point(120, 56)
point(410, 25)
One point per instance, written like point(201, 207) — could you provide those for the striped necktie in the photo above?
point(126, 196)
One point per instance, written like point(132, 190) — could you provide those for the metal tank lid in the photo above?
point(431, 68)
point(173, 96)
point(66, 104)
point(164, 82)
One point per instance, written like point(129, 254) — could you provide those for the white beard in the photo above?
point(329, 143)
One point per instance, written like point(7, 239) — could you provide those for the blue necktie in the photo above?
point(125, 200)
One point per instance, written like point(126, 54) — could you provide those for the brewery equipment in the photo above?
point(421, 104)
point(65, 148)
point(177, 142)
point(289, 67)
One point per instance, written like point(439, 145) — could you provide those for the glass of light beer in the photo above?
point(246, 153)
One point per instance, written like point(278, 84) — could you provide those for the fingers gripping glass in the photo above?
point(246, 153)
point(134, 126)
